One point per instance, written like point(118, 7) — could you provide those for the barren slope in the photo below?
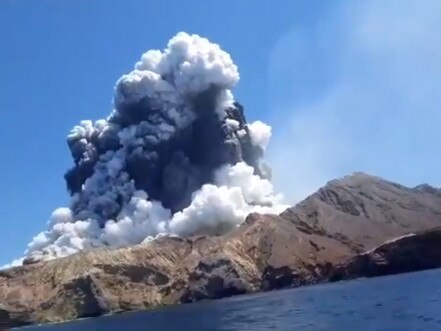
point(300, 246)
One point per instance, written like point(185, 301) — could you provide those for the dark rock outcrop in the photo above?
point(13, 319)
point(412, 252)
point(347, 220)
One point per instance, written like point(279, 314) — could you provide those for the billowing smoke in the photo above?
point(175, 157)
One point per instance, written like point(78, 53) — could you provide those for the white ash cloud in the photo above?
point(174, 157)
point(260, 134)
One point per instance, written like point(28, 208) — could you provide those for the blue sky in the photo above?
point(351, 86)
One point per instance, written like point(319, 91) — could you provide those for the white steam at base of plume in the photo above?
point(169, 79)
point(215, 209)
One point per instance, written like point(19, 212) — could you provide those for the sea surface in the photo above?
point(405, 302)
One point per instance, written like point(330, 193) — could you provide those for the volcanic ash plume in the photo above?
point(175, 157)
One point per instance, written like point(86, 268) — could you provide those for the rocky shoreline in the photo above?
point(357, 226)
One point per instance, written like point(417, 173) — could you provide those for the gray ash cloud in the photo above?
point(176, 156)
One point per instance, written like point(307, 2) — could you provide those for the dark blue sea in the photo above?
point(396, 303)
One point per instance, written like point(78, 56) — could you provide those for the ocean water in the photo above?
point(395, 303)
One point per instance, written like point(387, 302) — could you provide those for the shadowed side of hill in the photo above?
point(412, 252)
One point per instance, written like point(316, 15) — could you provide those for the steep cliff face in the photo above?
point(305, 244)
point(412, 252)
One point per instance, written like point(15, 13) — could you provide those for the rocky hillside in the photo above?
point(313, 241)
point(412, 252)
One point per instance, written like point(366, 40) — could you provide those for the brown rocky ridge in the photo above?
point(355, 226)
point(412, 252)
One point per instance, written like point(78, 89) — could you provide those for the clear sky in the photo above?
point(347, 86)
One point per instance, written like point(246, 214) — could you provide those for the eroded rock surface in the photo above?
point(412, 252)
point(336, 232)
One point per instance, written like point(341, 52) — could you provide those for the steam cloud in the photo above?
point(175, 157)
